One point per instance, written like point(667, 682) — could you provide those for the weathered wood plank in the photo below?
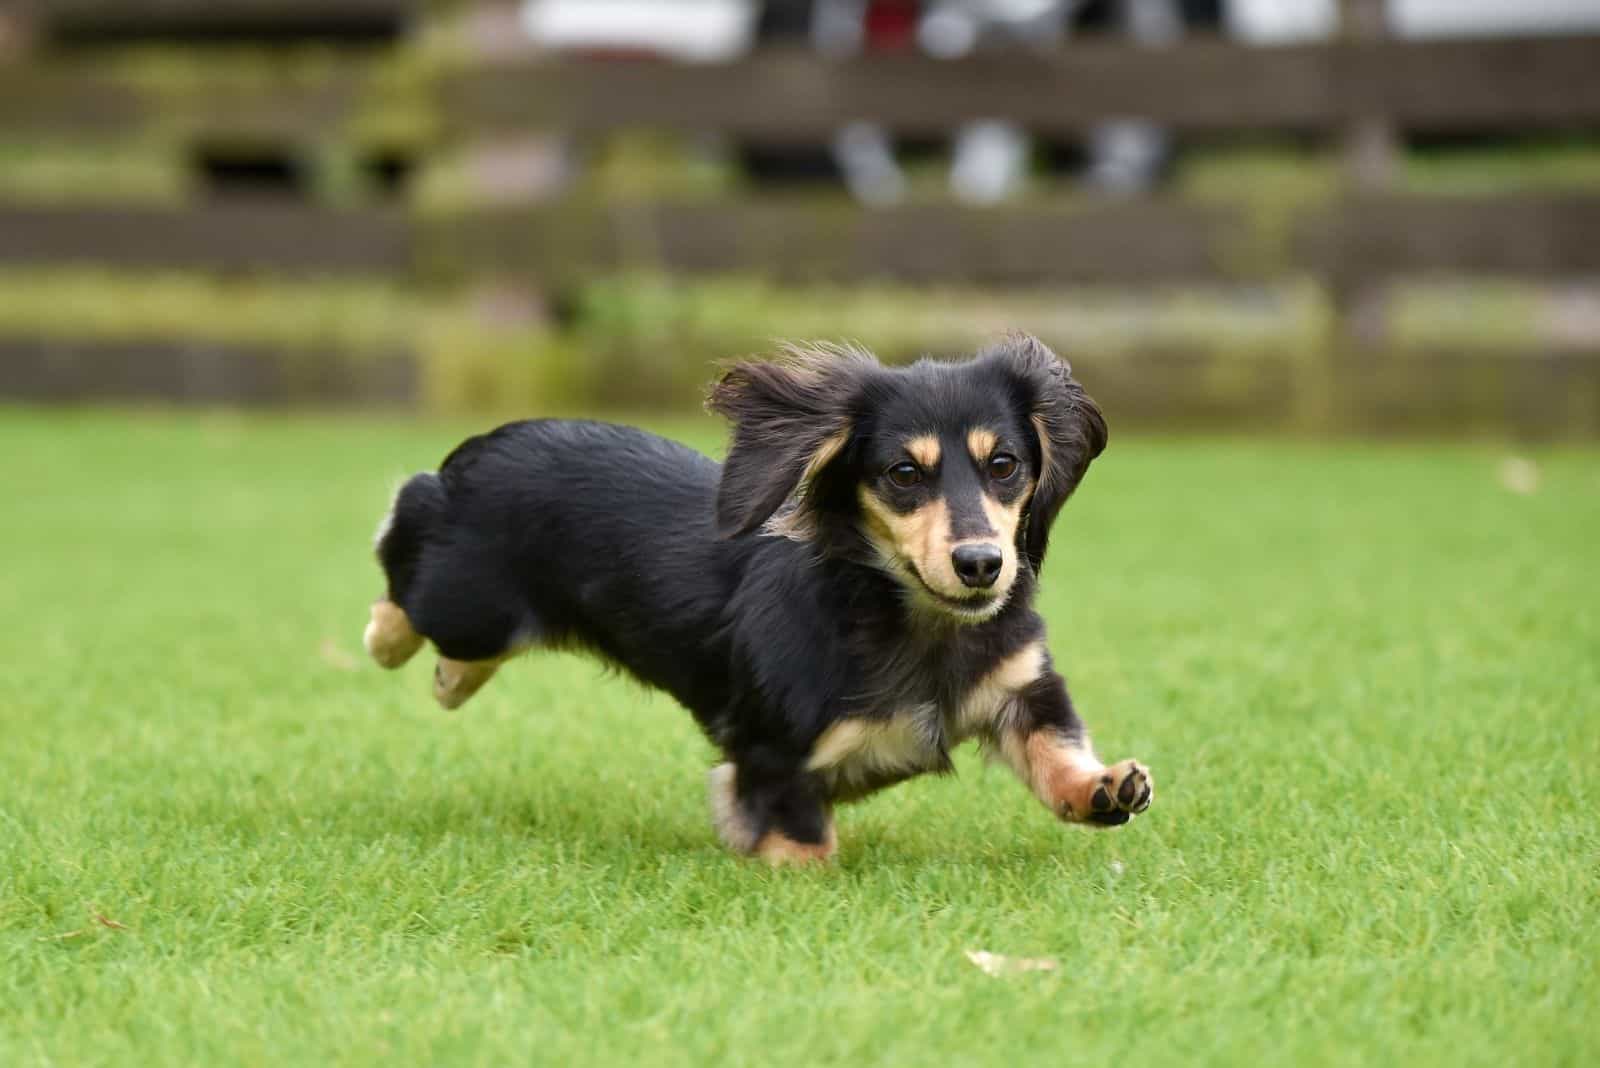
point(798, 239)
point(1139, 242)
point(262, 14)
point(1206, 85)
point(1202, 84)
point(1499, 84)
point(1527, 235)
point(1536, 394)
point(248, 236)
point(198, 371)
point(78, 100)
point(776, 95)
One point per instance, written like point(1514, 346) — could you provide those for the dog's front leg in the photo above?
point(1045, 743)
point(771, 811)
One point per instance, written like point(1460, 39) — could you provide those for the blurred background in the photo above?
point(1308, 215)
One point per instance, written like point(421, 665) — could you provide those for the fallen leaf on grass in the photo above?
point(1000, 964)
point(1519, 475)
point(98, 917)
point(336, 657)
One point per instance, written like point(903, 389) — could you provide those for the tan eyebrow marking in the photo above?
point(924, 450)
point(981, 442)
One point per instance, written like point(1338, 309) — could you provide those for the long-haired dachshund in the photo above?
point(840, 604)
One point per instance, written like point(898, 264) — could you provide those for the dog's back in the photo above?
point(529, 534)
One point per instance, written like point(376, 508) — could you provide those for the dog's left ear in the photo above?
point(1070, 430)
point(790, 420)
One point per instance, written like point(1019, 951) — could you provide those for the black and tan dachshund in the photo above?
point(840, 604)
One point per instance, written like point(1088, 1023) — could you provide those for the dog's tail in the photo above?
point(417, 509)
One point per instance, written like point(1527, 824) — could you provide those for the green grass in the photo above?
point(1365, 678)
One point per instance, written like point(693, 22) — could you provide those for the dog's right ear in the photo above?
point(1070, 431)
point(791, 418)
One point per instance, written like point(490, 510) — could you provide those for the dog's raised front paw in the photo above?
point(1122, 791)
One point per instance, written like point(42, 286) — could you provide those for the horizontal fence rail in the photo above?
point(1203, 85)
point(190, 370)
point(1197, 85)
point(268, 237)
point(79, 101)
point(148, 17)
point(799, 239)
point(1140, 241)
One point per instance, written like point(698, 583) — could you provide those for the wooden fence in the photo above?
point(1366, 238)
point(1200, 85)
point(1356, 242)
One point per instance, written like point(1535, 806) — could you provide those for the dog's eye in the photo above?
point(1002, 465)
point(905, 474)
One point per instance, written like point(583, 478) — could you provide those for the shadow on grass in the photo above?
point(576, 815)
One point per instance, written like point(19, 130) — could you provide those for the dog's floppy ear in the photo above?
point(1068, 425)
point(791, 418)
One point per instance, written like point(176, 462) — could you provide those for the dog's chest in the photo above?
point(859, 754)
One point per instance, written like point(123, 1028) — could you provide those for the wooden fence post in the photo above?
point(16, 30)
point(1371, 162)
point(1370, 157)
point(1371, 154)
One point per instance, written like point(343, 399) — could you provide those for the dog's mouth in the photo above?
point(976, 608)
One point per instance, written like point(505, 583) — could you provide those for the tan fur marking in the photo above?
point(925, 450)
point(726, 816)
point(981, 442)
point(852, 745)
point(1040, 758)
point(1003, 518)
point(1043, 434)
point(780, 851)
point(1062, 775)
point(823, 456)
point(736, 833)
point(1066, 776)
point(988, 704)
point(922, 538)
point(455, 681)
point(838, 742)
point(389, 637)
point(794, 523)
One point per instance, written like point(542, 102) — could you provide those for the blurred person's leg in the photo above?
point(865, 156)
point(1127, 156)
point(989, 161)
point(786, 24)
point(863, 151)
point(990, 158)
point(839, 27)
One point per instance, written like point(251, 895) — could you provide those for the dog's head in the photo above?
point(951, 473)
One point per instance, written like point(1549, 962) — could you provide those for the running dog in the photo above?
point(840, 604)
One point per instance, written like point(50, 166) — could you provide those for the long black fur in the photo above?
point(610, 539)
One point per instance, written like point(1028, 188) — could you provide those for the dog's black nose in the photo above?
point(977, 565)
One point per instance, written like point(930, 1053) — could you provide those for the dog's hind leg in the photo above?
point(455, 681)
point(390, 639)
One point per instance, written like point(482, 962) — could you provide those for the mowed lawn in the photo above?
point(1366, 677)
